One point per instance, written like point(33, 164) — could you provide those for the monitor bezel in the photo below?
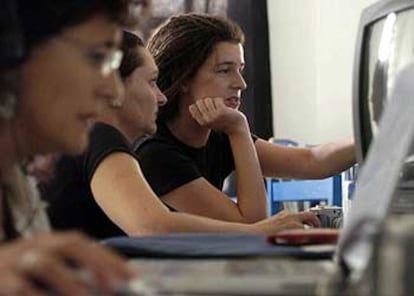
point(370, 15)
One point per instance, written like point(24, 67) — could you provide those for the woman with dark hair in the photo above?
point(80, 194)
point(202, 137)
point(56, 67)
point(104, 193)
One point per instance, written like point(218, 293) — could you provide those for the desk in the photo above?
point(248, 276)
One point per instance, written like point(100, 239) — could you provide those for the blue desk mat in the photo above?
point(210, 245)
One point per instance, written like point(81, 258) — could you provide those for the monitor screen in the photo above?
point(385, 46)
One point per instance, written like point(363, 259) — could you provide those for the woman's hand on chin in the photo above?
point(213, 113)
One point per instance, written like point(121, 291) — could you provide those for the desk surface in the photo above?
point(249, 276)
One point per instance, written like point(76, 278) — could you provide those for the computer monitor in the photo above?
point(385, 45)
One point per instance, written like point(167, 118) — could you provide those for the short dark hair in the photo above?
point(42, 19)
point(131, 59)
point(25, 24)
point(180, 46)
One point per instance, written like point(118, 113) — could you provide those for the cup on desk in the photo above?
point(330, 216)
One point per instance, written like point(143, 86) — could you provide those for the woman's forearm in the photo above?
point(334, 157)
point(251, 193)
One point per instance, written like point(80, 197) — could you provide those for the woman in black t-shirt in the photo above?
point(104, 193)
point(202, 136)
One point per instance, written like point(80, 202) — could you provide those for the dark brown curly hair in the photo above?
point(180, 47)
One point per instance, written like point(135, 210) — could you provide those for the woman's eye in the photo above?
point(153, 81)
point(98, 57)
point(224, 71)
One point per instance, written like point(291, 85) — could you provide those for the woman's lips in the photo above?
point(87, 119)
point(232, 102)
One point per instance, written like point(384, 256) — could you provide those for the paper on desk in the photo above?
point(379, 175)
point(319, 248)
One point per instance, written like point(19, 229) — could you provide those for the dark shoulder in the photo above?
point(161, 140)
point(102, 131)
point(104, 135)
point(217, 138)
point(154, 145)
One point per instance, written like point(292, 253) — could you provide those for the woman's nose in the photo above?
point(161, 98)
point(239, 82)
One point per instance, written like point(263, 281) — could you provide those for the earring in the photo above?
point(116, 103)
point(7, 104)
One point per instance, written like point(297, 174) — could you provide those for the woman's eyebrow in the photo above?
point(229, 63)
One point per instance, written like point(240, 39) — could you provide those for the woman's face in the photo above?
point(221, 75)
point(64, 82)
point(142, 97)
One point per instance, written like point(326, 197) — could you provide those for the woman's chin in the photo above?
point(151, 130)
point(78, 147)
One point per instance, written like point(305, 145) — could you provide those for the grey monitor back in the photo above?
point(379, 177)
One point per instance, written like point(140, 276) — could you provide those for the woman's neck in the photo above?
point(188, 131)
point(130, 133)
point(113, 120)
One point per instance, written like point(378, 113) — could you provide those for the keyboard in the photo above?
point(256, 276)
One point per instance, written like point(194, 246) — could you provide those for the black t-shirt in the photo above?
point(72, 205)
point(168, 163)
